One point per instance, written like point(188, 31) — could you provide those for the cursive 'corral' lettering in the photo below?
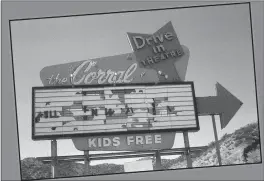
point(83, 74)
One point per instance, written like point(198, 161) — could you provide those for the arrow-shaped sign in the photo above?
point(169, 62)
point(224, 103)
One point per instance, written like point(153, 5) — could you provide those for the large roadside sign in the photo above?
point(129, 102)
point(66, 112)
point(165, 60)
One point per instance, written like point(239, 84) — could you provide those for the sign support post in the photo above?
point(158, 160)
point(187, 146)
point(216, 141)
point(54, 158)
point(87, 163)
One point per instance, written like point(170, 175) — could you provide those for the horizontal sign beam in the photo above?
point(173, 151)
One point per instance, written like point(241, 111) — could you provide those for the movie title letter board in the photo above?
point(66, 112)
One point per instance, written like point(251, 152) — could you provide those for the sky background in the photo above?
point(219, 40)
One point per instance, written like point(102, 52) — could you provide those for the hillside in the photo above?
point(234, 148)
point(33, 169)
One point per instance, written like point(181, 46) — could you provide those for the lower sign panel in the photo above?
point(129, 142)
point(65, 112)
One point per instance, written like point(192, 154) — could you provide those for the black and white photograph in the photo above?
point(135, 91)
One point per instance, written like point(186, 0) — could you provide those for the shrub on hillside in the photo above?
point(254, 156)
point(31, 168)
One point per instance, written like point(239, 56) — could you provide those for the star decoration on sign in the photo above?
point(142, 74)
point(129, 57)
point(158, 51)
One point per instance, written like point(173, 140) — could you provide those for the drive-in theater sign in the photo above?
point(134, 101)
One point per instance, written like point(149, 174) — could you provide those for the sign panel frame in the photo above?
point(70, 136)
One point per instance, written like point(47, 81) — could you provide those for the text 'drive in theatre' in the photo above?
point(69, 111)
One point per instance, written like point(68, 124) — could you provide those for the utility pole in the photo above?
point(187, 146)
point(87, 163)
point(54, 158)
point(217, 146)
point(158, 160)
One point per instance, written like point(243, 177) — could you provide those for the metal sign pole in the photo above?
point(87, 163)
point(216, 141)
point(54, 158)
point(187, 146)
point(158, 160)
